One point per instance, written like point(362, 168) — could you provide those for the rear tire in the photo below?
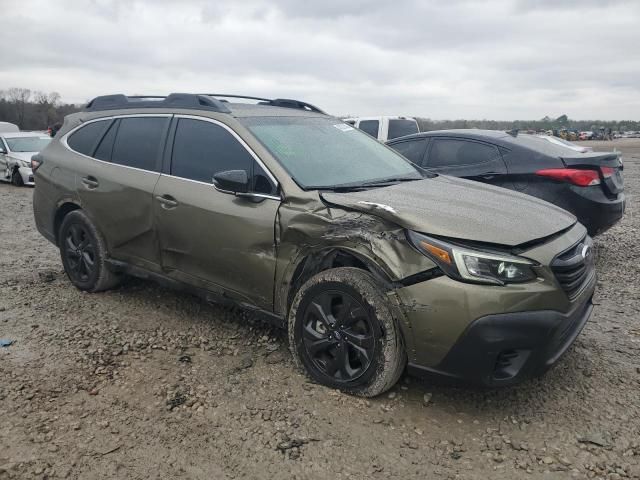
point(16, 178)
point(84, 253)
point(343, 335)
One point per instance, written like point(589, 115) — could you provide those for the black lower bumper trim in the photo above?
point(504, 349)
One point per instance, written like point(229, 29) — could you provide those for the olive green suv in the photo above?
point(371, 264)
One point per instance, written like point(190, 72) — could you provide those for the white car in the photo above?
point(385, 128)
point(16, 150)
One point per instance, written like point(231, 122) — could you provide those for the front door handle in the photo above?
point(167, 201)
point(90, 182)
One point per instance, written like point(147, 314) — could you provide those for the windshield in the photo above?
point(401, 127)
point(27, 144)
point(321, 152)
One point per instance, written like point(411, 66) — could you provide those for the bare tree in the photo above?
point(46, 104)
point(19, 97)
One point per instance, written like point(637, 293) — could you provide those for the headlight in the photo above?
point(24, 163)
point(467, 264)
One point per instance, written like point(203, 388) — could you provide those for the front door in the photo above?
point(210, 237)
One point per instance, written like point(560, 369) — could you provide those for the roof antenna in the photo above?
point(513, 132)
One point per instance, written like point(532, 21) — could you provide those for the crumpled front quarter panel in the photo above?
point(307, 226)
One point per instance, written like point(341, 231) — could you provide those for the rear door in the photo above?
point(115, 182)
point(413, 150)
point(467, 159)
point(209, 237)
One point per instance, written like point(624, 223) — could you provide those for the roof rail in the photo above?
point(277, 102)
point(174, 100)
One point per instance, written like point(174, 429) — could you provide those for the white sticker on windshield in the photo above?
point(344, 127)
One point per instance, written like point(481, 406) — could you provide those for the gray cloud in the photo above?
point(497, 59)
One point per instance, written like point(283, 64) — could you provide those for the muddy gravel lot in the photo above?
point(143, 382)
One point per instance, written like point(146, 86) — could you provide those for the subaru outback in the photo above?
point(373, 266)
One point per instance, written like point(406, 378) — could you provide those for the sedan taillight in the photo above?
point(582, 178)
point(607, 172)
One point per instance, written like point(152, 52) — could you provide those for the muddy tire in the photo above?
point(342, 333)
point(16, 178)
point(83, 252)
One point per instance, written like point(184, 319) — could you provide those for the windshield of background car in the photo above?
point(323, 152)
point(401, 127)
point(27, 144)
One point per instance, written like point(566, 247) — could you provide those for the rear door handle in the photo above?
point(489, 175)
point(167, 201)
point(90, 182)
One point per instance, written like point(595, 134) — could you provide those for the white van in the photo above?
point(385, 128)
point(8, 127)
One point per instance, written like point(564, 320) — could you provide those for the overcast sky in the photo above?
point(443, 59)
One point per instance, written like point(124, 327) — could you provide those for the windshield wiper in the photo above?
point(355, 187)
point(389, 181)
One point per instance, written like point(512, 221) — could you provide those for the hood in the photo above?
point(26, 156)
point(456, 208)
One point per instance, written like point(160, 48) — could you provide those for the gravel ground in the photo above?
point(144, 382)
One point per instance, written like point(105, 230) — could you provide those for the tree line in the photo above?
point(33, 110)
point(40, 110)
point(546, 123)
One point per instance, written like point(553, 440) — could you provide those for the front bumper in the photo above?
point(503, 349)
point(27, 175)
point(496, 335)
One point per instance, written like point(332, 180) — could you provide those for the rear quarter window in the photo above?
point(85, 139)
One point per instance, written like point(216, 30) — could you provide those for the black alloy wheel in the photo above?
point(338, 335)
point(80, 253)
point(84, 254)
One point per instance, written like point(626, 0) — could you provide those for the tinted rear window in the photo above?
point(103, 152)
point(138, 142)
point(84, 139)
point(447, 152)
point(401, 127)
point(412, 150)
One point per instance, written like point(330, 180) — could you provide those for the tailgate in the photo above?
point(609, 165)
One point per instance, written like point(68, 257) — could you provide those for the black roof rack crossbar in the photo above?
point(277, 102)
point(174, 100)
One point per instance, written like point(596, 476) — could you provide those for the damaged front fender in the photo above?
point(313, 235)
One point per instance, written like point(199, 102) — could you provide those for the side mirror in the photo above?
point(234, 181)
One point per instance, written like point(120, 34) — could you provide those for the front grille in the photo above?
point(574, 267)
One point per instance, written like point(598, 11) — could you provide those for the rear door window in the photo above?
point(138, 142)
point(370, 126)
point(85, 139)
point(105, 147)
point(201, 149)
point(411, 149)
point(448, 152)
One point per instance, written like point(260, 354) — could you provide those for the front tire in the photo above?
point(83, 252)
point(16, 178)
point(343, 335)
